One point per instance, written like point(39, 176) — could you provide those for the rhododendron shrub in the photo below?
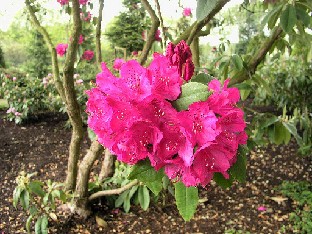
point(137, 116)
point(88, 55)
point(61, 49)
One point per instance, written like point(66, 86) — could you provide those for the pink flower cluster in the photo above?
point(180, 55)
point(13, 111)
point(83, 2)
point(88, 55)
point(187, 12)
point(134, 118)
point(63, 2)
point(61, 49)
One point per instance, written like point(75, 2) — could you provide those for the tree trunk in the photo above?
point(108, 165)
point(81, 193)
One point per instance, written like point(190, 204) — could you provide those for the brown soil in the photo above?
point(41, 146)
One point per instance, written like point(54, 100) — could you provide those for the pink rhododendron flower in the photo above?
point(157, 35)
point(83, 2)
point(88, 55)
point(85, 17)
point(14, 78)
point(11, 110)
point(133, 117)
point(81, 39)
point(262, 208)
point(61, 49)
point(118, 63)
point(63, 2)
point(17, 114)
point(187, 11)
point(180, 55)
point(80, 81)
point(50, 75)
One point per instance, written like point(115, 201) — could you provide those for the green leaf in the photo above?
point(91, 134)
point(237, 61)
point(272, 17)
point(288, 18)
point(38, 225)
point(293, 130)
point(221, 181)
point(144, 172)
point(36, 187)
point(202, 78)
point(16, 195)
point(204, 7)
point(44, 225)
point(279, 133)
point(268, 122)
point(238, 170)
point(126, 203)
point(191, 92)
point(28, 222)
point(303, 16)
point(24, 199)
point(186, 200)
point(120, 200)
point(144, 197)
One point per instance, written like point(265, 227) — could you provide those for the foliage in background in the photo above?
point(301, 194)
point(2, 61)
point(126, 29)
point(27, 95)
point(39, 59)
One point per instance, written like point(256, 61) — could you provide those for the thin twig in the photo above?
point(200, 24)
point(98, 50)
point(113, 191)
point(151, 34)
point(163, 39)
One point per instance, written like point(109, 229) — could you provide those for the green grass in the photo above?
point(3, 104)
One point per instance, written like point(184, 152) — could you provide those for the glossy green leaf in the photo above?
point(36, 187)
point(272, 17)
point(268, 121)
point(191, 92)
point(204, 7)
point(186, 200)
point(288, 18)
point(38, 226)
point(202, 78)
point(279, 133)
point(44, 225)
point(237, 61)
point(293, 130)
point(28, 223)
point(24, 199)
point(238, 170)
point(16, 195)
point(126, 203)
point(221, 181)
point(144, 197)
point(303, 16)
point(120, 200)
point(144, 172)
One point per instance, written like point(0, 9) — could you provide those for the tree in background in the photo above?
point(39, 58)
point(2, 62)
point(127, 28)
